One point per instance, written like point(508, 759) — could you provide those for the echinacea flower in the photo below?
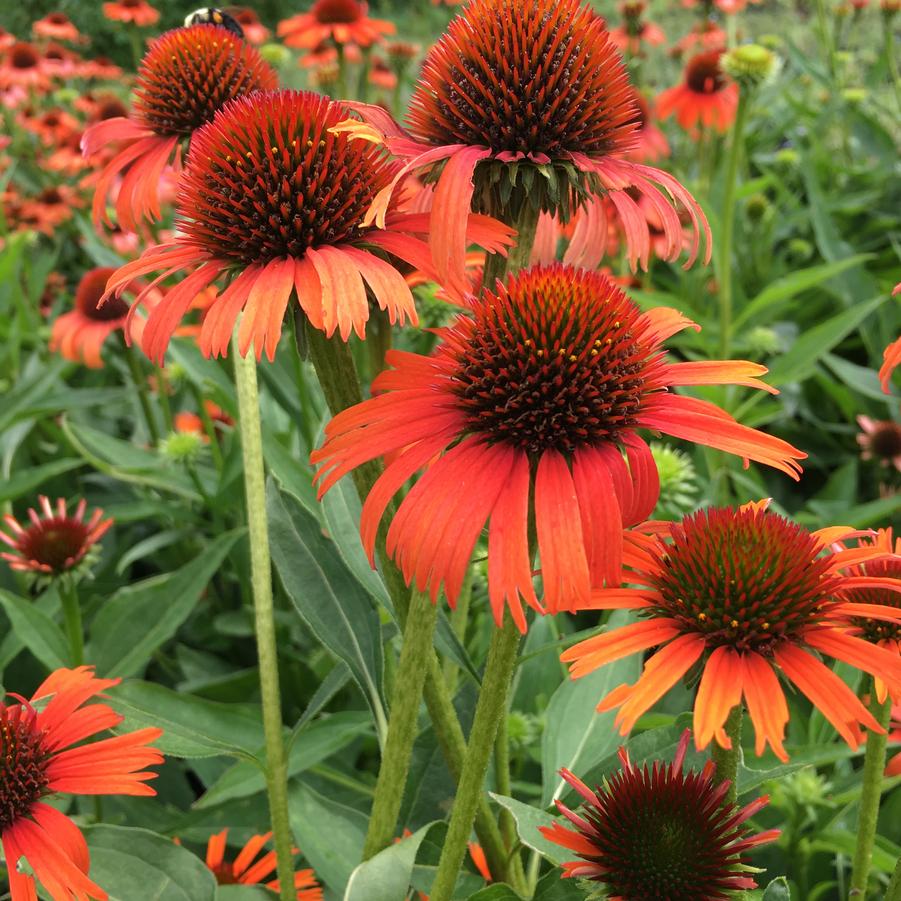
point(23, 66)
point(522, 102)
point(254, 30)
point(342, 21)
point(527, 407)
point(272, 196)
point(249, 868)
point(136, 12)
point(660, 832)
point(57, 26)
point(186, 422)
point(185, 77)
point(748, 595)
point(705, 35)
point(880, 440)
point(650, 143)
point(636, 30)
point(705, 97)
point(44, 753)
point(55, 543)
point(891, 357)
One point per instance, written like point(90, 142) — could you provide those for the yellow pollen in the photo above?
point(764, 625)
point(249, 154)
point(573, 358)
point(528, 342)
point(274, 149)
point(734, 624)
point(594, 353)
point(702, 616)
point(540, 353)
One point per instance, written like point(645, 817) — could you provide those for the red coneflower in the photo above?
point(138, 12)
point(44, 753)
point(22, 65)
point(751, 594)
point(52, 126)
point(248, 868)
point(101, 68)
point(79, 335)
point(705, 35)
point(880, 440)
point(254, 30)
point(343, 21)
point(191, 422)
point(544, 388)
point(50, 208)
point(55, 543)
point(660, 832)
point(185, 77)
point(273, 196)
point(636, 30)
point(706, 96)
point(522, 102)
point(891, 357)
point(57, 27)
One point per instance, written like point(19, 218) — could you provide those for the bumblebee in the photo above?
point(209, 15)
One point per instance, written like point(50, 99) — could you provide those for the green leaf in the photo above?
point(387, 876)
point(135, 863)
point(317, 742)
point(192, 727)
point(140, 618)
point(39, 633)
point(576, 736)
point(835, 842)
point(528, 819)
point(551, 887)
point(24, 483)
point(777, 890)
point(325, 594)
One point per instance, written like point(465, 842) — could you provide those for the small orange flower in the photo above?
point(49, 209)
point(57, 26)
point(250, 869)
point(705, 97)
point(191, 422)
point(254, 30)
point(752, 595)
point(44, 753)
point(22, 65)
point(138, 12)
point(343, 21)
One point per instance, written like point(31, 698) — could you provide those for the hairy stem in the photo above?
point(727, 759)
point(72, 618)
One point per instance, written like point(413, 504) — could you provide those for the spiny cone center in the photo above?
point(23, 777)
point(885, 442)
point(525, 76)
point(190, 73)
point(91, 289)
point(557, 360)
point(57, 542)
point(266, 179)
point(744, 579)
point(874, 629)
point(338, 12)
point(23, 56)
point(703, 74)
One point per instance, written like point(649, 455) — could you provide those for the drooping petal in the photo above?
point(767, 707)
point(267, 300)
point(595, 652)
point(718, 692)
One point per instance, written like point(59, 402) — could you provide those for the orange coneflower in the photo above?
point(100, 67)
point(891, 356)
point(659, 832)
point(22, 65)
point(527, 407)
point(191, 422)
point(517, 93)
point(57, 26)
point(706, 96)
point(185, 77)
point(636, 30)
point(138, 12)
point(44, 753)
point(254, 30)
point(880, 440)
point(750, 594)
point(60, 62)
point(705, 35)
point(272, 195)
point(49, 209)
point(342, 21)
point(248, 868)
point(52, 126)
point(55, 543)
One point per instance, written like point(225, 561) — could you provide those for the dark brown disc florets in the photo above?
point(190, 73)
point(703, 74)
point(267, 179)
point(556, 359)
point(23, 770)
point(90, 289)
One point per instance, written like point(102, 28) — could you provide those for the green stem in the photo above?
point(491, 707)
point(826, 37)
point(459, 618)
point(140, 384)
point(341, 86)
point(727, 759)
point(871, 794)
point(209, 428)
point(409, 679)
point(264, 619)
point(72, 617)
point(893, 892)
point(502, 779)
point(363, 79)
point(163, 391)
point(725, 267)
point(378, 341)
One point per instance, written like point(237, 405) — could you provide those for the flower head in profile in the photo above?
point(660, 832)
point(530, 407)
point(22, 66)
point(750, 596)
point(705, 97)
point(522, 102)
point(252, 868)
point(135, 12)
point(880, 440)
point(254, 30)
point(54, 543)
point(56, 26)
point(43, 749)
point(636, 31)
point(341, 21)
point(272, 198)
point(185, 77)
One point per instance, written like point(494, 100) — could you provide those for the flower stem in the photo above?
point(725, 267)
point(871, 794)
point(138, 380)
point(264, 620)
point(409, 679)
point(893, 892)
point(491, 707)
point(826, 37)
point(727, 759)
point(72, 617)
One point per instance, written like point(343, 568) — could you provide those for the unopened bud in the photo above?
point(750, 64)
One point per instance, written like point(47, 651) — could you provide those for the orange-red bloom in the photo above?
point(343, 21)
point(523, 101)
point(54, 543)
point(705, 96)
point(660, 832)
point(44, 753)
point(138, 12)
point(248, 868)
point(272, 196)
point(636, 30)
point(56, 26)
point(528, 406)
point(254, 30)
point(23, 66)
point(185, 77)
point(749, 594)
point(891, 357)
point(191, 422)
point(894, 765)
